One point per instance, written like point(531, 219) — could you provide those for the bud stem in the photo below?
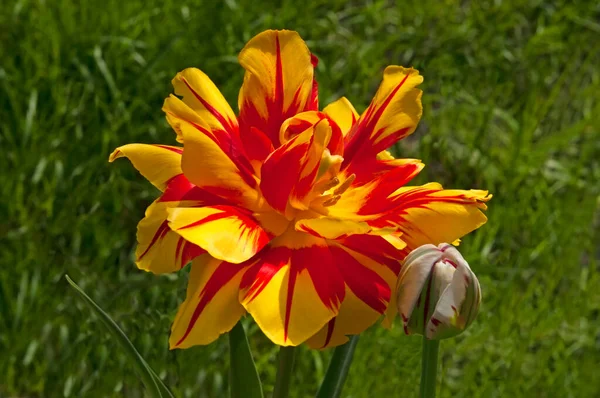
point(429, 367)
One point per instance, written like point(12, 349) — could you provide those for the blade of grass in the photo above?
point(154, 385)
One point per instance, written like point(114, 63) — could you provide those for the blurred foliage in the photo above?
point(511, 105)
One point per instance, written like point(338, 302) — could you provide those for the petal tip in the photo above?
point(115, 155)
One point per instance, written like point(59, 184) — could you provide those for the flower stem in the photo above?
point(284, 372)
point(429, 367)
point(338, 370)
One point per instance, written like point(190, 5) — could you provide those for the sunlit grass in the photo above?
point(511, 105)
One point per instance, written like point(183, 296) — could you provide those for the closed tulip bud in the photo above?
point(438, 294)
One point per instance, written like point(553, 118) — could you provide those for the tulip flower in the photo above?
point(438, 294)
point(294, 215)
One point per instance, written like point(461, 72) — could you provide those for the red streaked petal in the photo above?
point(430, 214)
point(292, 293)
point(366, 284)
point(228, 233)
point(376, 248)
point(207, 166)
point(367, 297)
point(159, 249)
point(313, 103)
point(393, 114)
point(332, 228)
point(278, 82)
point(289, 173)
point(368, 201)
point(204, 102)
point(377, 201)
point(211, 307)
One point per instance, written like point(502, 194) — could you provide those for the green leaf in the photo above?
point(154, 385)
point(334, 380)
point(244, 380)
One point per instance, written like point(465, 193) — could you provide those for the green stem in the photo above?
point(429, 367)
point(338, 370)
point(284, 372)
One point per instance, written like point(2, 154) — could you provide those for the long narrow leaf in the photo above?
point(334, 380)
point(244, 381)
point(154, 385)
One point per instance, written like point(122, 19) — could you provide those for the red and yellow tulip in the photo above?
point(298, 216)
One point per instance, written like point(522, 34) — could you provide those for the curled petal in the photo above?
point(211, 307)
point(289, 173)
point(392, 115)
point(228, 233)
point(278, 82)
point(343, 113)
point(158, 163)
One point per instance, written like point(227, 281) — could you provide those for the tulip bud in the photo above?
point(438, 294)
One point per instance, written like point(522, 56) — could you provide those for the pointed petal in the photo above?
point(430, 214)
point(211, 307)
point(158, 163)
point(278, 82)
point(292, 292)
point(208, 166)
point(228, 233)
point(201, 101)
point(343, 113)
point(392, 115)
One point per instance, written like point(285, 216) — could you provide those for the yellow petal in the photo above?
point(206, 165)
point(158, 163)
point(226, 232)
point(430, 214)
point(292, 293)
point(392, 115)
point(343, 113)
point(201, 95)
point(278, 82)
point(211, 307)
point(332, 228)
point(367, 296)
point(353, 318)
point(159, 249)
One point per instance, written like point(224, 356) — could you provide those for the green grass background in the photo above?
point(512, 105)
